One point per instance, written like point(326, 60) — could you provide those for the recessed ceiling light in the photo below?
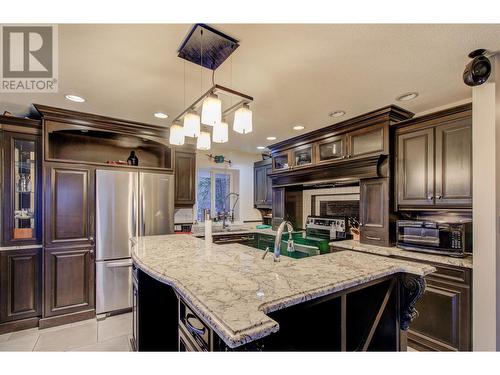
point(407, 96)
point(335, 114)
point(75, 98)
point(160, 115)
point(271, 138)
point(261, 147)
point(299, 127)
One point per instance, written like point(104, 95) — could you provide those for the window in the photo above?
point(212, 189)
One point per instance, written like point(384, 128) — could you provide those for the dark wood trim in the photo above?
point(435, 118)
point(67, 318)
point(19, 325)
point(389, 113)
point(24, 125)
point(338, 170)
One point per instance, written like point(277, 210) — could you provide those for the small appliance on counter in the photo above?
point(438, 237)
point(183, 228)
point(331, 228)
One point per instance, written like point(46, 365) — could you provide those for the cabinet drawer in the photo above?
point(374, 236)
point(194, 326)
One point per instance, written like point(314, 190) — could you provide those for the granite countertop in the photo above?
point(232, 288)
point(394, 251)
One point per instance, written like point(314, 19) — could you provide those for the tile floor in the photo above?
point(110, 334)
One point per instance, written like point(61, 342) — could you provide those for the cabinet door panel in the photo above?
point(367, 141)
point(185, 178)
point(454, 164)
point(20, 284)
point(278, 206)
point(374, 211)
point(260, 185)
point(69, 280)
point(269, 187)
point(69, 205)
point(416, 168)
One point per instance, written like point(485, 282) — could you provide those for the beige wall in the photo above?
point(244, 163)
point(486, 210)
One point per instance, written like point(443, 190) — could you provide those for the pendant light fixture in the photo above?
point(211, 110)
point(243, 120)
point(191, 124)
point(220, 132)
point(176, 135)
point(203, 142)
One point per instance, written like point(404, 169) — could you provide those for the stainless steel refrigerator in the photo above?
point(128, 204)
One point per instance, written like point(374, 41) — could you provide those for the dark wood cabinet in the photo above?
point(434, 160)
point(416, 168)
point(69, 280)
point(263, 185)
point(21, 189)
point(278, 206)
point(454, 164)
point(20, 284)
point(367, 141)
point(185, 178)
point(444, 321)
point(69, 205)
point(374, 211)
point(330, 149)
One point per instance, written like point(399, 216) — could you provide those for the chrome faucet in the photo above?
point(277, 242)
point(231, 212)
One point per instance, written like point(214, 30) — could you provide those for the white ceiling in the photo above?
point(297, 74)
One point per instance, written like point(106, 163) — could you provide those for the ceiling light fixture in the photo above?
point(211, 110)
point(176, 135)
point(407, 96)
point(160, 115)
point(299, 127)
point(203, 141)
point(220, 132)
point(74, 98)
point(271, 138)
point(336, 114)
point(191, 124)
point(243, 120)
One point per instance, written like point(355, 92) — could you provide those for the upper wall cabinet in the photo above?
point(75, 137)
point(434, 161)
point(185, 178)
point(21, 182)
point(330, 149)
point(263, 188)
point(368, 141)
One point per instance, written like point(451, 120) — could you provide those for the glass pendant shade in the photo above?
point(220, 132)
point(191, 124)
point(203, 142)
point(243, 120)
point(176, 135)
point(211, 110)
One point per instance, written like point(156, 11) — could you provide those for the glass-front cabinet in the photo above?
point(330, 149)
point(22, 185)
point(281, 161)
point(302, 156)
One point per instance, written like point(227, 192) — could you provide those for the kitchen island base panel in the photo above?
point(367, 317)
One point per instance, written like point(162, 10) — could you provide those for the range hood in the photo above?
point(344, 172)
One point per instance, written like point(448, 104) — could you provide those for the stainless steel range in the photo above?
point(331, 228)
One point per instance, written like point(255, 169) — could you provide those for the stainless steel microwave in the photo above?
point(446, 238)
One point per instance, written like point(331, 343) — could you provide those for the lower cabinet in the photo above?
point(69, 280)
point(444, 321)
point(20, 284)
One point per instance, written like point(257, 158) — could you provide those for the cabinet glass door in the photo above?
point(281, 161)
point(24, 189)
point(330, 149)
point(302, 156)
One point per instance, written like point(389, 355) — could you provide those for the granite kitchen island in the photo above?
point(193, 295)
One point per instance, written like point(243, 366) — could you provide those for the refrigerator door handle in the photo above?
point(127, 263)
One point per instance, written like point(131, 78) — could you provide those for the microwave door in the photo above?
point(419, 236)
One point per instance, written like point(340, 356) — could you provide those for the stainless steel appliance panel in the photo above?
point(116, 213)
point(156, 204)
point(113, 285)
